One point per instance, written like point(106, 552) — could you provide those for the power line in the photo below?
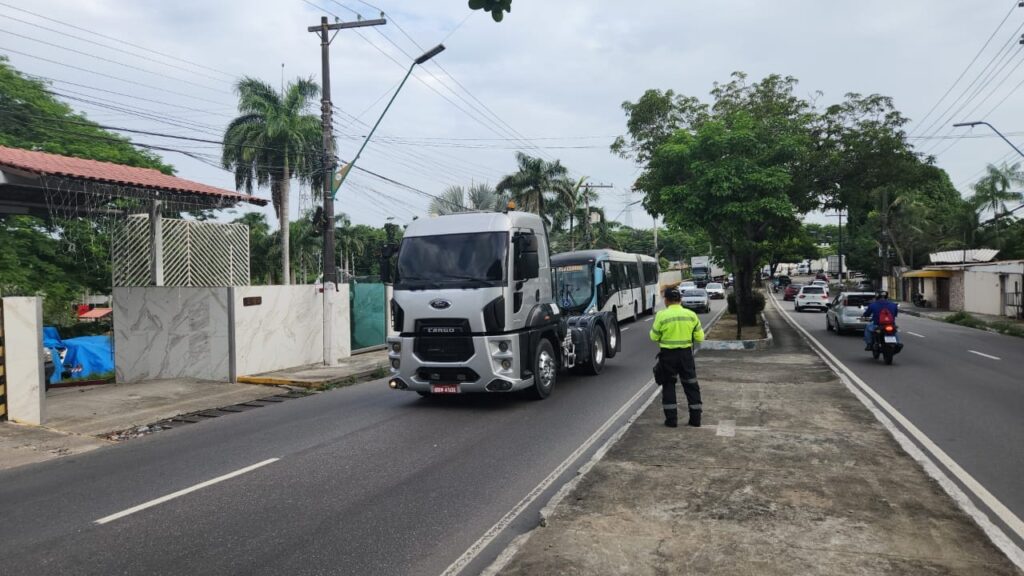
point(1013, 5)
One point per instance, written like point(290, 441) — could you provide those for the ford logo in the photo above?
point(440, 304)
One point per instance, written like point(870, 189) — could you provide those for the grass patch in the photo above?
point(725, 329)
point(1007, 327)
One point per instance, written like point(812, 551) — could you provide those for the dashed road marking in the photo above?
point(625, 328)
point(985, 355)
point(188, 490)
point(914, 334)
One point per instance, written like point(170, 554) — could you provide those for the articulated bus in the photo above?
point(606, 281)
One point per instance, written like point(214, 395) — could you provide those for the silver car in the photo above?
point(845, 311)
point(697, 300)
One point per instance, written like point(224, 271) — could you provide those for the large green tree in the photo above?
point(741, 174)
point(479, 197)
point(273, 140)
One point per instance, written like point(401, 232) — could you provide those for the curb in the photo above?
point(351, 378)
point(736, 345)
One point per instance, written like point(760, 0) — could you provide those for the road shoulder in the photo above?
point(790, 475)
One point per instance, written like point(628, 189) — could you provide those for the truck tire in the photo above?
point(545, 370)
point(598, 352)
point(613, 338)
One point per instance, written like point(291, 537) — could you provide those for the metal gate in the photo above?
point(366, 309)
point(3, 369)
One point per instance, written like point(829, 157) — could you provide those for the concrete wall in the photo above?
point(285, 329)
point(212, 334)
point(166, 332)
point(956, 292)
point(670, 277)
point(982, 293)
point(23, 359)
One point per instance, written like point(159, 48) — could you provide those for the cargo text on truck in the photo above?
point(474, 310)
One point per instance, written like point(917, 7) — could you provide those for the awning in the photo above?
point(929, 274)
point(95, 314)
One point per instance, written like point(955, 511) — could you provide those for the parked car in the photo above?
point(811, 297)
point(697, 300)
point(791, 291)
point(845, 310)
point(715, 290)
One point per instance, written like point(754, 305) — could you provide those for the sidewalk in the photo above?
point(81, 419)
point(790, 475)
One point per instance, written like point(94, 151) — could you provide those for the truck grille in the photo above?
point(443, 340)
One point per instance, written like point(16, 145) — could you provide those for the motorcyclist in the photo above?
point(874, 310)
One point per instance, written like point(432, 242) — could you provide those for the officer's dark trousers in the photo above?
point(677, 362)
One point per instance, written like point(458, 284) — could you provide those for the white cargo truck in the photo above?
point(474, 312)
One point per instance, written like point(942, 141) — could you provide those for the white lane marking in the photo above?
point(883, 410)
point(985, 355)
point(625, 328)
point(519, 541)
point(726, 428)
point(914, 334)
point(188, 490)
point(649, 320)
point(477, 547)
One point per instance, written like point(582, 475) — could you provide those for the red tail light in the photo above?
point(824, 296)
point(890, 328)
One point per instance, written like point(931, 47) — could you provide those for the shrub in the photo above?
point(964, 319)
point(756, 301)
point(1009, 328)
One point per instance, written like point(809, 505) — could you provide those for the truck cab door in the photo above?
point(527, 287)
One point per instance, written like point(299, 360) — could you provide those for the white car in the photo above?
point(687, 286)
point(822, 283)
point(715, 290)
point(811, 296)
point(697, 300)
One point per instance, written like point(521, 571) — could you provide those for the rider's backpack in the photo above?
point(885, 316)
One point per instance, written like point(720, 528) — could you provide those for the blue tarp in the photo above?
point(86, 355)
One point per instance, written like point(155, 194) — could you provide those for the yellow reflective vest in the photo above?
point(676, 327)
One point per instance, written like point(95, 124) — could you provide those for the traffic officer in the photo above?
point(675, 329)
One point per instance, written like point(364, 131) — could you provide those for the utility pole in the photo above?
point(330, 279)
point(586, 201)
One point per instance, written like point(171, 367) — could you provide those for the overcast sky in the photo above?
point(554, 72)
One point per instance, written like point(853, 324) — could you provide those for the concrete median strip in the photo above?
point(797, 477)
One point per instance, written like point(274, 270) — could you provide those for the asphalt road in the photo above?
point(367, 481)
point(962, 387)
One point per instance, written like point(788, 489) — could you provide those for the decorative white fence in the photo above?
point(194, 253)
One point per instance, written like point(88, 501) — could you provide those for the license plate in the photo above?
point(890, 339)
point(444, 389)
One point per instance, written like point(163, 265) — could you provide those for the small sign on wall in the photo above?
point(252, 301)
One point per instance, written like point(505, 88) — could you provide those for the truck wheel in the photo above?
point(613, 339)
point(545, 368)
point(597, 353)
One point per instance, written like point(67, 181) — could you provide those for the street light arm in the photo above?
point(426, 56)
point(977, 122)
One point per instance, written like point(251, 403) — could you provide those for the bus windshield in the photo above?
point(574, 286)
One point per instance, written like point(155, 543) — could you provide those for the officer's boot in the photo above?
point(671, 418)
point(695, 418)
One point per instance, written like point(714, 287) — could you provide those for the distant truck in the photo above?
point(704, 270)
point(833, 265)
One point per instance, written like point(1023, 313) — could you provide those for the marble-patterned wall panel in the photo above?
point(23, 337)
point(277, 327)
point(342, 323)
point(171, 332)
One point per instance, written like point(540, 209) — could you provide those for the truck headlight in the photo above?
point(396, 363)
point(503, 345)
point(506, 364)
point(396, 347)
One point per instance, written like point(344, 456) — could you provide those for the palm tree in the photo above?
point(573, 196)
point(272, 141)
point(349, 243)
point(456, 199)
point(534, 179)
point(992, 191)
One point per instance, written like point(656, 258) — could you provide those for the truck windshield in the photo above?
point(574, 286)
point(452, 261)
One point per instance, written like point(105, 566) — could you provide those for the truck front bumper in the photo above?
point(490, 368)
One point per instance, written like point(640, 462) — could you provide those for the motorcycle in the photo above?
point(884, 342)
